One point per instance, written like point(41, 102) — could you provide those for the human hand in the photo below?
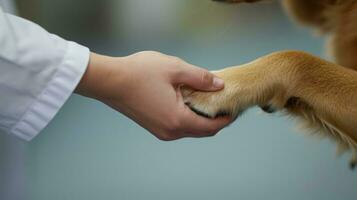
point(146, 88)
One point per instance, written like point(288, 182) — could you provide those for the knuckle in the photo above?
point(170, 130)
point(150, 53)
point(176, 61)
point(176, 70)
point(212, 133)
point(173, 125)
point(140, 53)
point(165, 137)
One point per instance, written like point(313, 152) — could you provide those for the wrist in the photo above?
point(94, 80)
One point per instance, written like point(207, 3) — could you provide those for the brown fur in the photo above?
point(322, 93)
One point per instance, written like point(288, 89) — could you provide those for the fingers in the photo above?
point(198, 78)
point(197, 126)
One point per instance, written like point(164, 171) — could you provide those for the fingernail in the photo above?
point(217, 82)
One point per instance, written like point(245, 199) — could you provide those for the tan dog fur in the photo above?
point(322, 93)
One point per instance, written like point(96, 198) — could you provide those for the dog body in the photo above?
point(321, 93)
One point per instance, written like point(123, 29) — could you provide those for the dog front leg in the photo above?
point(321, 93)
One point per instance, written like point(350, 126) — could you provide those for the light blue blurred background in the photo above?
point(90, 152)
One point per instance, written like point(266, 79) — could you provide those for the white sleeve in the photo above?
point(38, 73)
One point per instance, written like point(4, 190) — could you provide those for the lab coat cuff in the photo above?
point(53, 97)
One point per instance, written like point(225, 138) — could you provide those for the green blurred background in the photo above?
point(90, 152)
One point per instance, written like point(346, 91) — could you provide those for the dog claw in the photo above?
point(268, 109)
point(353, 165)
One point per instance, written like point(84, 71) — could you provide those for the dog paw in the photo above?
point(236, 96)
point(211, 104)
point(245, 86)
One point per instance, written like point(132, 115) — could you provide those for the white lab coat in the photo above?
point(38, 72)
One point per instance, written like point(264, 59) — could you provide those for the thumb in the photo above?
point(199, 78)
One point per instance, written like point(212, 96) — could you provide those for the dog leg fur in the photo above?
point(321, 93)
